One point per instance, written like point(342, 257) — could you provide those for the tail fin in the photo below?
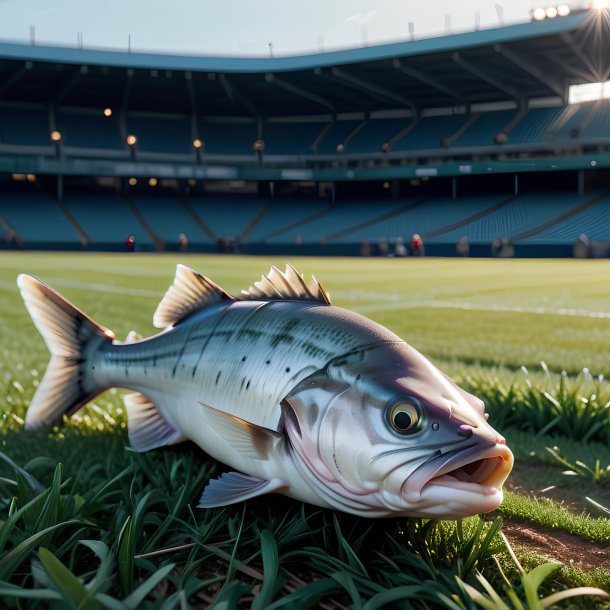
point(67, 331)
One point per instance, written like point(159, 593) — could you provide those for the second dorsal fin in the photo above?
point(190, 292)
point(289, 285)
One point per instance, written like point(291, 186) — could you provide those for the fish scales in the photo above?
point(215, 342)
point(300, 397)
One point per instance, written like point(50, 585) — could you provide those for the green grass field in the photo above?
point(87, 523)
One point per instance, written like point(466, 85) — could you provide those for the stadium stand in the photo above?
point(468, 136)
point(108, 229)
point(36, 218)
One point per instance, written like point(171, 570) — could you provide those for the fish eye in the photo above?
point(404, 415)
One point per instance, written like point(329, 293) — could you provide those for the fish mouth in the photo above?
point(461, 482)
point(482, 473)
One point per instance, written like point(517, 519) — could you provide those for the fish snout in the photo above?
point(483, 433)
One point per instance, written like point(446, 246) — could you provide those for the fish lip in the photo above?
point(436, 473)
point(487, 479)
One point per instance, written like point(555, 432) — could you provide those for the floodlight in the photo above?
point(340, 148)
point(600, 5)
point(131, 140)
point(563, 10)
point(197, 143)
point(539, 14)
point(551, 12)
point(259, 145)
point(31, 177)
point(152, 182)
point(55, 136)
point(107, 111)
point(133, 181)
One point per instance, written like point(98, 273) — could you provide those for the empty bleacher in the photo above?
point(594, 222)
point(228, 138)
point(337, 219)
point(161, 134)
point(89, 130)
point(105, 218)
point(291, 138)
point(284, 214)
point(36, 218)
point(168, 218)
point(24, 126)
point(520, 215)
point(228, 216)
point(86, 130)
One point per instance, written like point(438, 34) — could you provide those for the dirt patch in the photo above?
point(558, 546)
point(547, 481)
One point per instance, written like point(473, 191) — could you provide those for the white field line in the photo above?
point(392, 301)
point(562, 311)
point(95, 287)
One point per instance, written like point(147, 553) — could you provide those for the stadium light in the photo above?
point(563, 10)
point(133, 181)
point(107, 111)
point(340, 148)
point(31, 177)
point(131, 140)
point(600, 5)
point(539, 14)
point(551, 12)
point(55, 136)
point(197, 143)
point(18, 177)
point(259, 145)
point(152, 182)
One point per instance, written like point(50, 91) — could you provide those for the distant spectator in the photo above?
point(400, 249)
point(503, 248)
point(582, 247)
point(130, 243)
point(298, 240)
point(365, 248)
point(462, 247)
point(384, 247)
point(417, 245)
point(183, 242)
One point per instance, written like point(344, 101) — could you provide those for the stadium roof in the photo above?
point(520, 62)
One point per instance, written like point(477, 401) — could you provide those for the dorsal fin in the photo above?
point(190, 292)
point(289, 285)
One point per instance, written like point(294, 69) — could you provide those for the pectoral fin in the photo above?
point(233, 487)
point(147, 428)
point(246, 438)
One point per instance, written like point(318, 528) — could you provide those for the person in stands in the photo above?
point(417, 245)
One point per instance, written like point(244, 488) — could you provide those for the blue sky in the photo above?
point(244, 27)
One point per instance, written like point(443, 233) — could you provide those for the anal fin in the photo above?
point(233, 487)
point(147, 427)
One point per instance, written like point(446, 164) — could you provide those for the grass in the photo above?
point(548, 513)
point(88, 523)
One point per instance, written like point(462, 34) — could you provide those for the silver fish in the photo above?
point(298, 396)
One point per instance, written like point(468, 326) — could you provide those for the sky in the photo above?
point(246, 27)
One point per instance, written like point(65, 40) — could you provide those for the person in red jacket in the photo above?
point(417, 245)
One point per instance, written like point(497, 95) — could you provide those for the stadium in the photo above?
point(120, 170)
point(469, 137)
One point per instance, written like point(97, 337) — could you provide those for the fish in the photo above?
point(295, 395)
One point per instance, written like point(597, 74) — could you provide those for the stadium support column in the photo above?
point(454, 188)
point(581, 182)
point(60, 187)
point(516, 184)
point(124, 105)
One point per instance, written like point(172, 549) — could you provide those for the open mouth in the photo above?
point(483, 473)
